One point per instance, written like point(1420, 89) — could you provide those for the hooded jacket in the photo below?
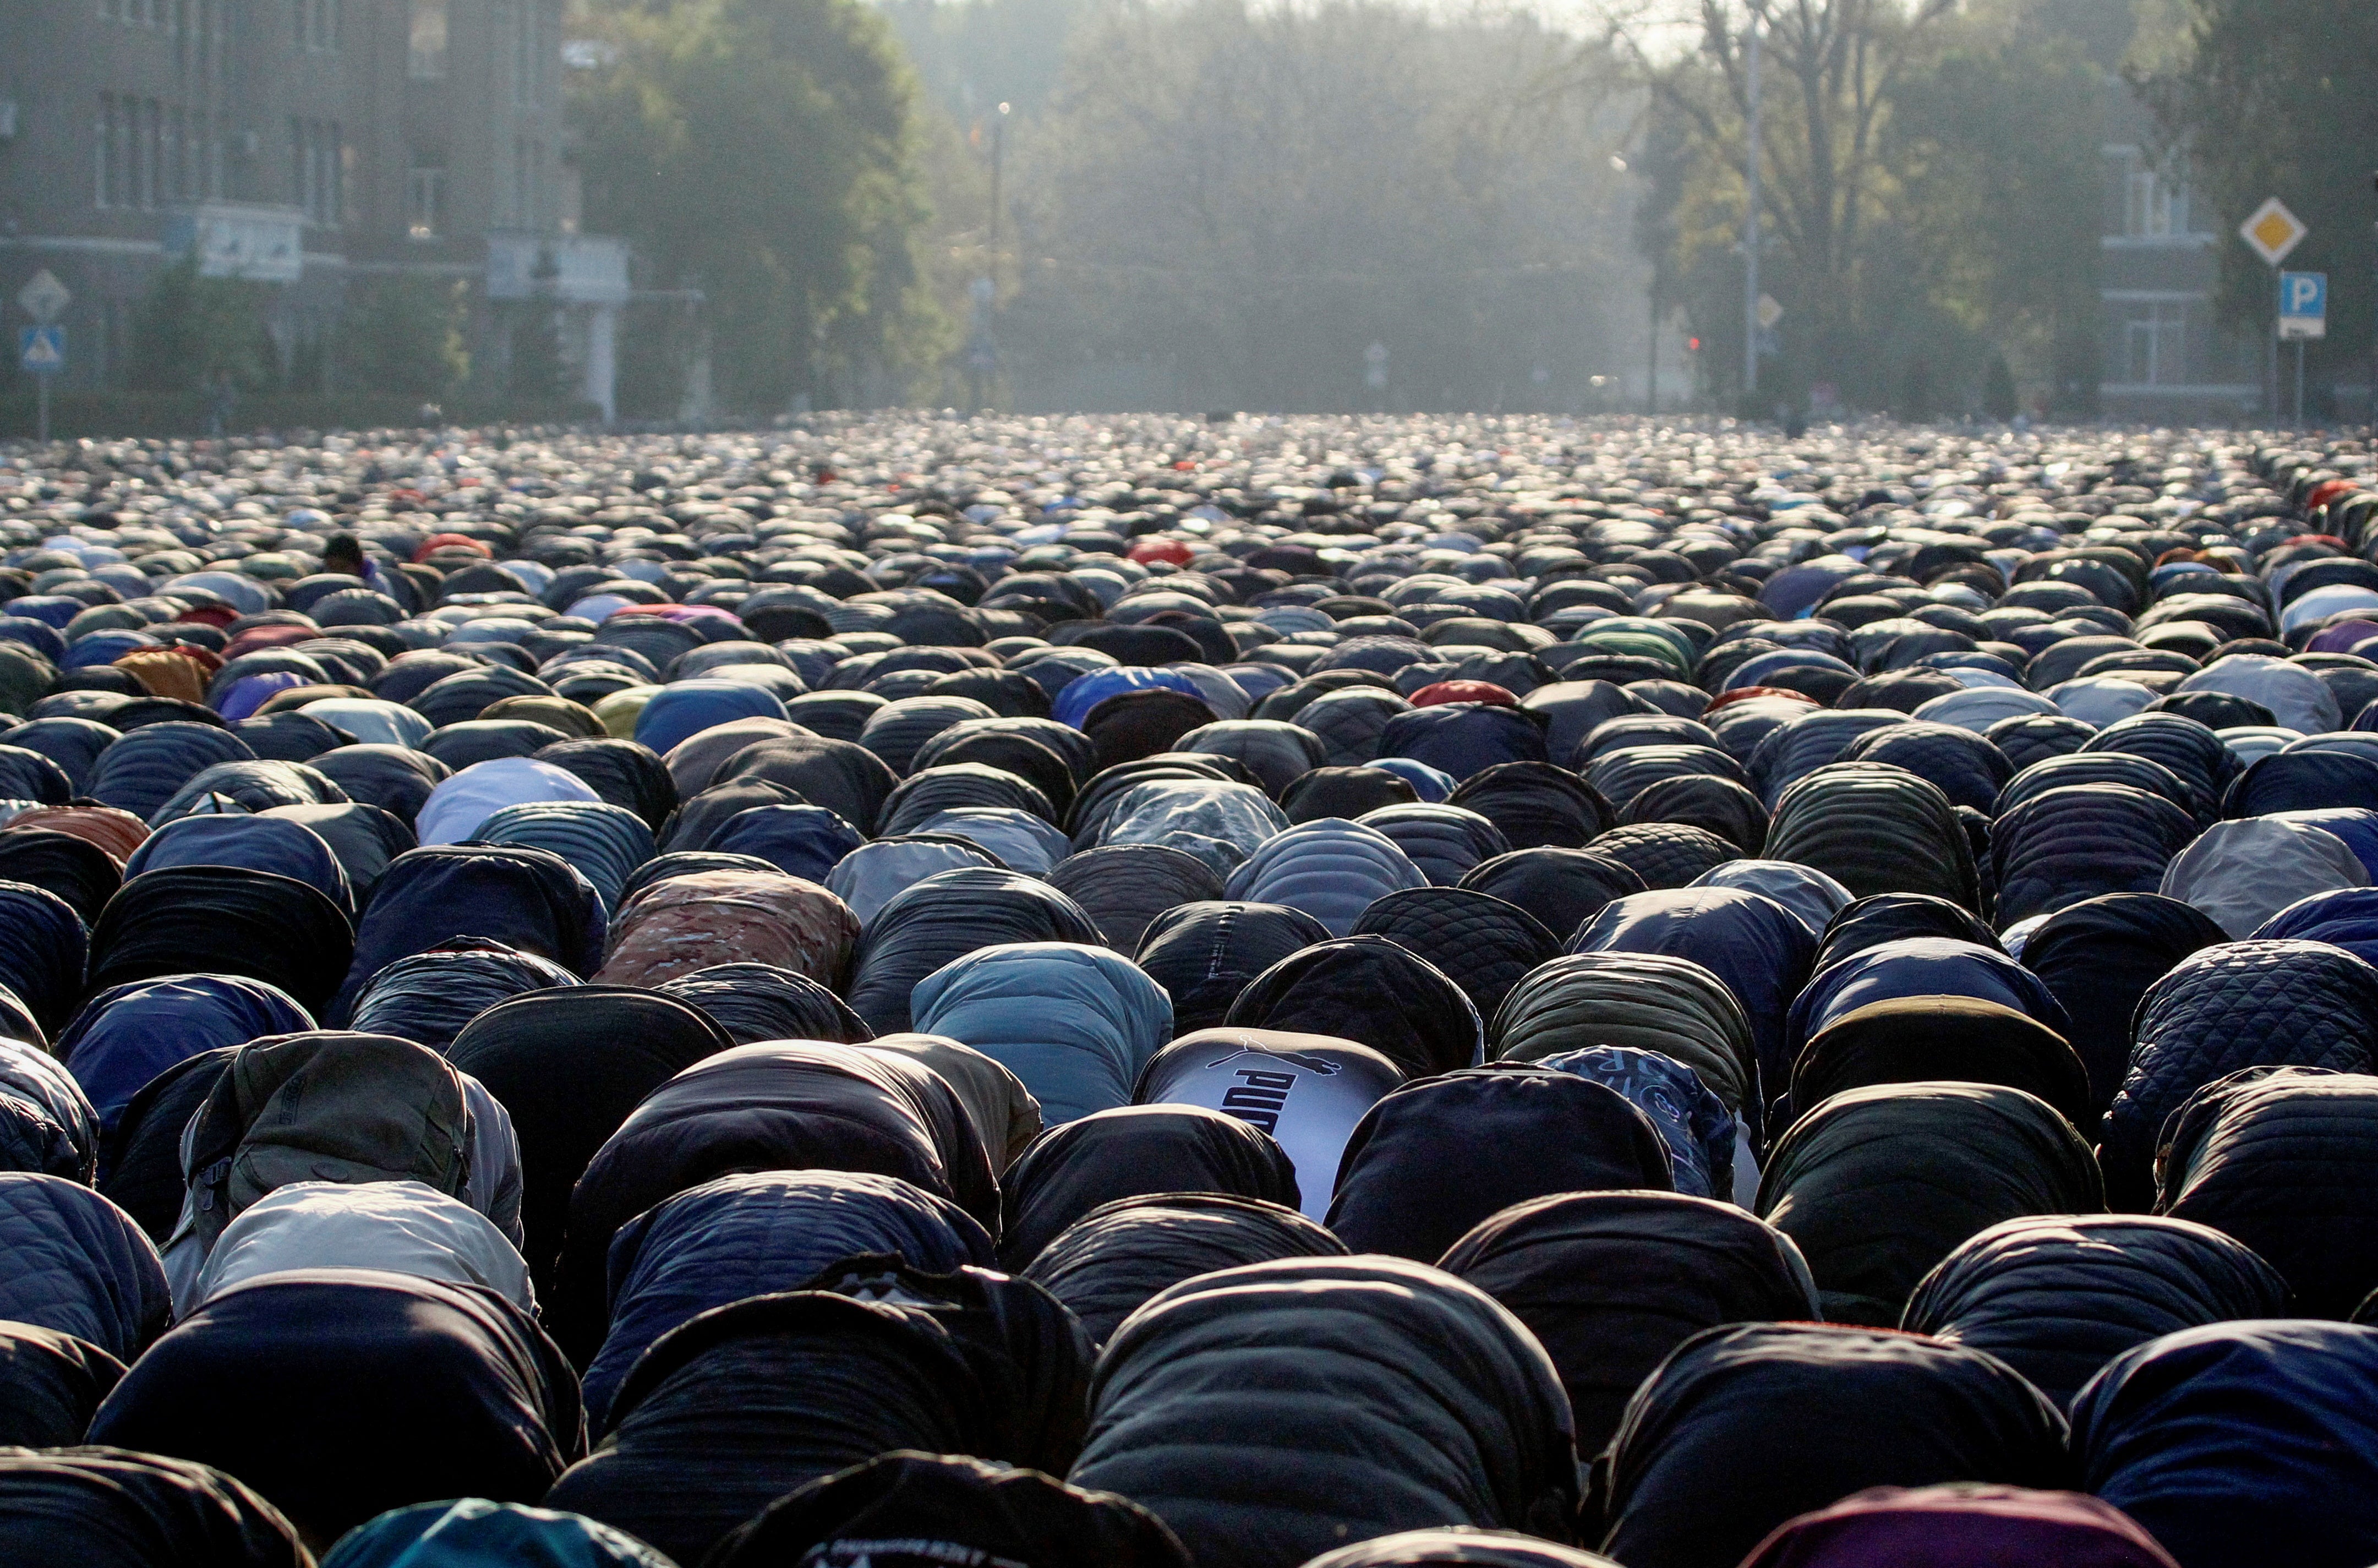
point(942, 919)
point(1878, 1184)
point(78, 1265)
point(773, 1391)
point(2056, 1297)
point(529, 899)
point(2238, 1005)
point(340, 1393)
point(613, 1046)
point(1074, 1022)
point(1136, 1151)
point(2241, 1443)
point(1372, 991)
point(110, 1508)
point(1896, 1410)
point(1611, 1282)
point(2282, 1158)
point(1650, 1001)
point(751, 1235)
point(1562, 888)
point(2098, 957)
point(1436, 1157)
point(1331, 869)
point(1112, 1259)
point(1363, 1395)
point(788, 1105)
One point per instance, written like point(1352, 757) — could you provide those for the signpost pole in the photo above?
point(2272, 232)
point(42, 409)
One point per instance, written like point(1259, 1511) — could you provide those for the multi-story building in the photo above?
point(2169, 356)
point(306, 144)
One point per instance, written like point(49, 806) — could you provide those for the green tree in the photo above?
point(404, 333)
point(1931, 185)
point(190, 331)
point(2268, 98)
point(1995, 145)
point(764, 151)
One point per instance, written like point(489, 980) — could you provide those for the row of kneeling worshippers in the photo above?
point(1250, 995)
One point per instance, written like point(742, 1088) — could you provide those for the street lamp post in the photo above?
point(982, 351)
point(1750, 214)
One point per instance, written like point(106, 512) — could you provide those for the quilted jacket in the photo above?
point(2238, 1005)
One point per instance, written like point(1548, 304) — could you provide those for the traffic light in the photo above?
point(1692, 345)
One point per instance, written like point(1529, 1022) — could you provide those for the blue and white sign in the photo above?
point(41, 350)
point(2303, 305)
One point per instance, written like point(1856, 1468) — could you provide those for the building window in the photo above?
point(150, 119)
point(2154, 204)
point(318, 25)
point(426, 58)
point(425, 201)
point(120, 154)
point(314, 169)
point(525, 58)
point(103, 124)
point(2155, 342)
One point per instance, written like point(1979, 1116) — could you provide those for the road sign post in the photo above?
point(2303, 318)
point(41, 347)
point(2272, 232)
point(42, 353)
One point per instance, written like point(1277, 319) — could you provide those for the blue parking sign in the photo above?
point(41, 350)
point(2303, 305)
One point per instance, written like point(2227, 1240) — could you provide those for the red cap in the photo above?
point(1157, 549)
point(1464, 691)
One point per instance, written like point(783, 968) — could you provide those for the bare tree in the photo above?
point(1830, 69)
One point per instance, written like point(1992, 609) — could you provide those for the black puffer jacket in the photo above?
point(770, 1392)
point(942, 919)
point(2076, 842)
point(1702, 1467)
point(1371, 991)
point(1878, 1184)
point(2238, 1005)
point(1533, 804)
point(1205, 954)
point(1113, 1259)
point(1445, 841)
point(1362, 1395)
point(1875, 828)
point(1960, 763)
point(1612, 1282)
point(1438, 1156)
point(1562, 888)
point(1481, 943)
point(2058, 1296)
point(2098, 957)
point(1802, 744)
point(2286, 1160)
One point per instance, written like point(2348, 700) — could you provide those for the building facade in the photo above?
point(2168, 357)
point(304, 144)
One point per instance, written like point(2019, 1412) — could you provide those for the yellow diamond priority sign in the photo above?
point(2274, 231)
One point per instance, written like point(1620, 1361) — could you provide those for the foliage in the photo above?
point(190, 331)
point(2272, 97)
point(1279, 187)
point(404, 333)
point(1931, 182)
point(764, 151)
point(1995, 142)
